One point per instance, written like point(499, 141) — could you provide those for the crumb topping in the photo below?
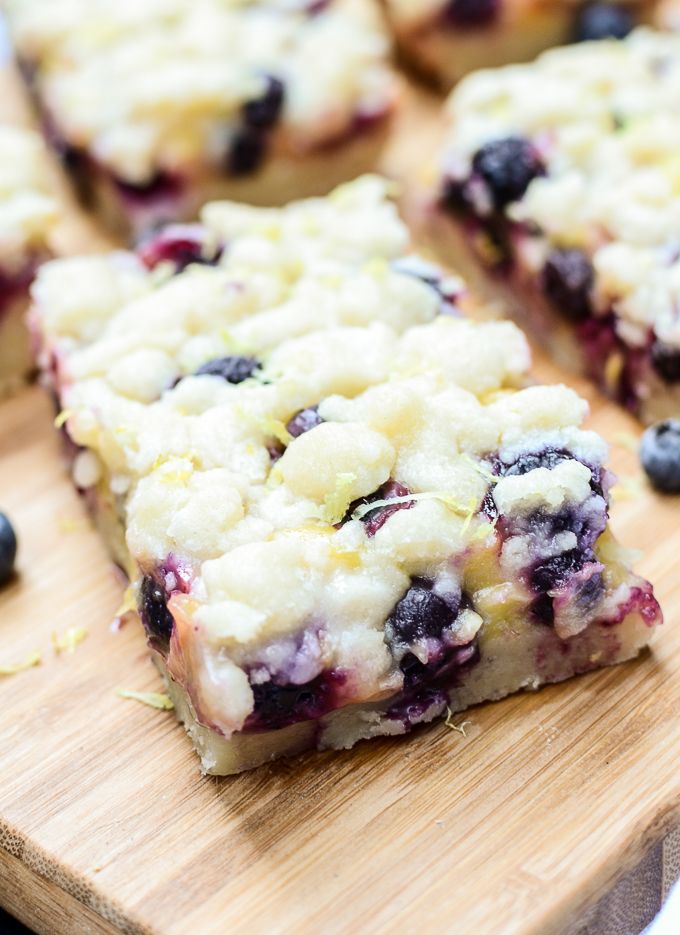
point(604, 117)
point(27, 210)
point(166, 86)
point(269, 545)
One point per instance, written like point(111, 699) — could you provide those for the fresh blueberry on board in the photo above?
point(660, 455)
point(232, 369)
point(507, 166)
point(8, 549)
point(602, 21)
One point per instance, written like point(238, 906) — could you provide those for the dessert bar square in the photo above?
point(342, 509)
point(157, 107)
point(561, 190)
point(446, 39)
point(27, 215)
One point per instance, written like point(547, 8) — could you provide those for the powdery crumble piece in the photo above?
point(339, 500)
point(590, 222)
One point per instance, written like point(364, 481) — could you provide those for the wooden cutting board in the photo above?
point(514, 822)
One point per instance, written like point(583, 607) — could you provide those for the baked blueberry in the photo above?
point(264, 111)
point(8, 549)
point(420, 614)
point(247, 151)
point(179, 244)
point(567, 281)
point(231, 369)
point(376, 519)
point(666, 361)
point(660, 455)
point(602, 21)
point(156, 617)
point(303, 421)
point(507, 166)
point(471, 12)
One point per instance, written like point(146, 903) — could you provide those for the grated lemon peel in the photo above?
point(63, 417)
point(460, 728)
point(69, 639)
point(152, 699)
point(336, 503)
point(128, 604)
point(34, 659)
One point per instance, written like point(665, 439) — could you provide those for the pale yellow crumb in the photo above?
point(69, 639)
point(34, 659)
point(626, 440)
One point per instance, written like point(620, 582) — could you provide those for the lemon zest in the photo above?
point(69, 640)
point(152, 699)
point(449, 500)
point(128, 604)
point(457, 727)
point(63, 418)
point(34, 659)
point(336, 503)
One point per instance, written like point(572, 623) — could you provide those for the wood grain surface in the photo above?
point(513, 824)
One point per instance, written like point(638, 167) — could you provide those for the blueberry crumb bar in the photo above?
point(158, 107)
point(560, 189)
point(446, 39)
point(27, 214)
point(342, 510)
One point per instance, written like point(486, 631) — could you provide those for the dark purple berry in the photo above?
point(420, 614)
point(660, 455)
point(278, 706)
point(160, 186)
point(376, 519)
point(554, 571)
point(179, 244)
point(567, 281)
point(8, 549)
point(471, 12)
point(666, 361)
point(231, 369)
point(264, 111)
point(507, 166)
point(247, 151)
point(303, 421)
point(602, 21)
point(155, 615)
point(531, 460)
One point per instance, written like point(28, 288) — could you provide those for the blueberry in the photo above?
point(666, 361)
point(471, 12)
point(660, 455)
point(376, 519)
point(567, 281)
point(303, 421)
point(419, 614)
point(554, 571)
point(278, 705)
point(264, 112)
point(231, 369)
point(8, 549)
point(602, 21)
point(155, 615)
point(507, 166)
point(160, 186)
point(179, 244)
point(529, 461)
point(247, 151)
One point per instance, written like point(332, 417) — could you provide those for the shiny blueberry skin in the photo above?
point(602, 21)
point(264, 112)
point(507, 166)
point(660, 455)
point(8, 549)
point(303, 421)
point(420, 614)
point(567, 282)
point(471, 12)
point(179, 244)
point(231, 369)
point(156, 617)
point(666, 361)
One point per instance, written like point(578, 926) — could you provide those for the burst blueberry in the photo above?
point(179, 244)
point(660, 455)
point(247, 151)
point(263, 112)
point(602, 21)
point(232, 369)
point(507, 166)
point(303, 421)
point(568, 281)
point(8, 549)
point(666, 361)
point(420, 614)
point(471, 12)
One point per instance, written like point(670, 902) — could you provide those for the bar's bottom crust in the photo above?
point(511, 659)
point(16, 361)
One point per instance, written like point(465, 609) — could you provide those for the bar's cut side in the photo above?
point(27, 215)
point(157, 108)
point(447, 39)
point(561, 190)
point(341, 511)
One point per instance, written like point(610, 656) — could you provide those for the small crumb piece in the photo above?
point(69, 639)
point(33, 660)
point(152, 699)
